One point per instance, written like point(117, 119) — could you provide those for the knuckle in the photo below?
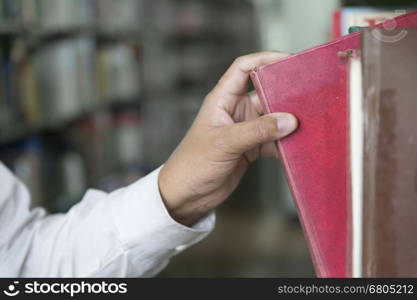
point(209, 97)
point(261, 132)
point(243, 58)
point(236, 60)
point(239, 60)
point(213, 95)
point(265, 129)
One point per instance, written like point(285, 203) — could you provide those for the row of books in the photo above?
point(77, 88)
point(52, 14)
point(104, 151)
point(64, 79)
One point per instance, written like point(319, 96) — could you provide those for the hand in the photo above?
point(227, 135)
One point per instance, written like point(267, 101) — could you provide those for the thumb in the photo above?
point(245, 136)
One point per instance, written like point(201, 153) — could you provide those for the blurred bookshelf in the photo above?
point(188, 44)
point(97, 93)
point(71, 96)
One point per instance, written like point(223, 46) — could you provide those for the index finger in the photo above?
point(235, 80)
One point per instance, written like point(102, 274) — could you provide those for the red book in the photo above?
point(312, 85)
point(337, 24)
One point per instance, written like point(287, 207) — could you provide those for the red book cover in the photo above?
point(312, 85)
point(337, 24)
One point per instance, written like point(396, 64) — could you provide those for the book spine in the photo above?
point(257, 84)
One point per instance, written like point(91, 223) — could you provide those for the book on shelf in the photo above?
point(62, 14)
point(9, 12)
point(29, 96)
point(8, 86)
point(313, 85)
point(383, 156)
point(57, 14)
point(58, 81)
point(28, 168)
point(119, 15)
point(118, 73)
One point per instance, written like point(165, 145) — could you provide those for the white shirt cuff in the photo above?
point(143, 222)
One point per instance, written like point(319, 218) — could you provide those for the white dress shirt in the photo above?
point(127, 233)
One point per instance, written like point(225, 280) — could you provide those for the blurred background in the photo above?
point(97, 93)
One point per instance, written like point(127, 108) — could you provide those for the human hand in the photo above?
point(229, 133)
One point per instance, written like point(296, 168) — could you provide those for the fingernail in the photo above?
point(286, 123)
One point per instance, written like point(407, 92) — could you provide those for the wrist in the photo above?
point(181, 207)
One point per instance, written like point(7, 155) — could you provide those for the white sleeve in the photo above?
point(127, 233)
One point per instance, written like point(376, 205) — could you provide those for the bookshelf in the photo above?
point(179, 49)
point(22, 131)
point(7, 30)
point(70, 73)
point(38, 36)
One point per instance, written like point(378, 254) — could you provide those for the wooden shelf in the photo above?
point(17, 132)
point(9, 30)
point(40, 35)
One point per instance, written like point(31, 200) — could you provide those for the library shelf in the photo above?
point(16, 132)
